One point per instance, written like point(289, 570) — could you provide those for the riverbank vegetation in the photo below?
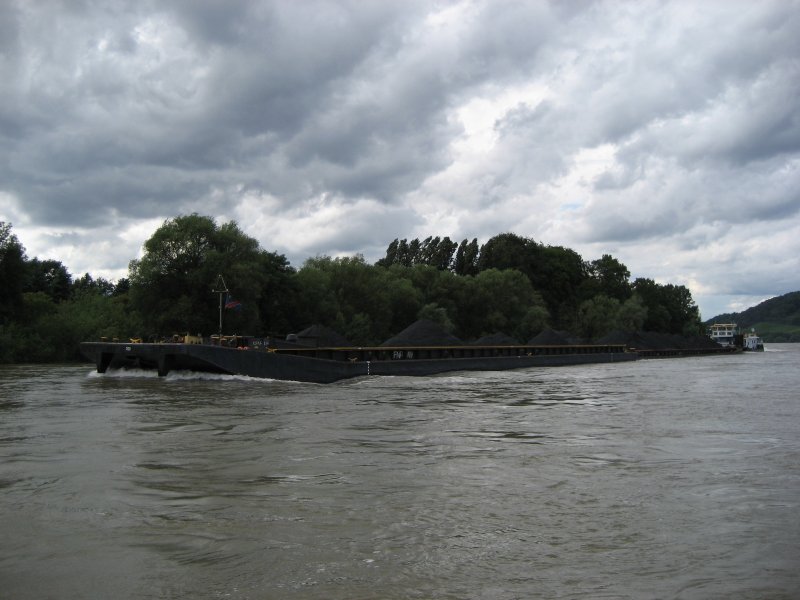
point(509, 284)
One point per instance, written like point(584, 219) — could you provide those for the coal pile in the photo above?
point(651, 340)
point(549, 337)
point(319, 336)
point(423, 333)
point(496, 339)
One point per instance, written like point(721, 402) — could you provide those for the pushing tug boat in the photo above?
point(752, 342)
point(729, 335)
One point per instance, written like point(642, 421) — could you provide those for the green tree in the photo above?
point(357, 299)
point(172, 284)
point(50, 277)
point(466, 259)
point(535, 320)
point(436, 252)
point(415, 252)
point(559, 274)
point(316, 300)
point(670, 308)
point(35, 319)
point(500, 301)
point(122, 287)
point(598, 316)
point(359, 330)
point(433, 286)
point(437, 314)
point(632, 314)
point(391, 254)
point(87, 283)
point(405, 300)
point(277, 293)
point(403, 255)
point(609, 277)
point(508, 251)
point(432, 251)
point(12, 272)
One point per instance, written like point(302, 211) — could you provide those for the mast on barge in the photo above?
point(222, 288)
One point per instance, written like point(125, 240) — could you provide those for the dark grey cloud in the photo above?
point(598, 125)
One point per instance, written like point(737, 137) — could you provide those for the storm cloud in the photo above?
point(664, 133)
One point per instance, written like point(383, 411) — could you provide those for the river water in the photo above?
point(676, 478)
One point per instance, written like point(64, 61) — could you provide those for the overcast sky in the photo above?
point(666, 134)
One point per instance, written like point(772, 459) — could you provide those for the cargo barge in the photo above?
point(265, 358)
point(320, 355)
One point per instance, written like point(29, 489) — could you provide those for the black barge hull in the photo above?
point(326, 365)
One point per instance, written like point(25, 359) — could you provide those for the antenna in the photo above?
point(222, 288)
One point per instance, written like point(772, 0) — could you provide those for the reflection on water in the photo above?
point(648, 479)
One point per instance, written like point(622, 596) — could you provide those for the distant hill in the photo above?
point(775, 320)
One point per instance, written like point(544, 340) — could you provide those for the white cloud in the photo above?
point(664, 133)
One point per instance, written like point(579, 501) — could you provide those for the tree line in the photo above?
point(510, 284)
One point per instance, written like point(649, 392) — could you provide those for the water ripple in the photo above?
point(652, 479)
